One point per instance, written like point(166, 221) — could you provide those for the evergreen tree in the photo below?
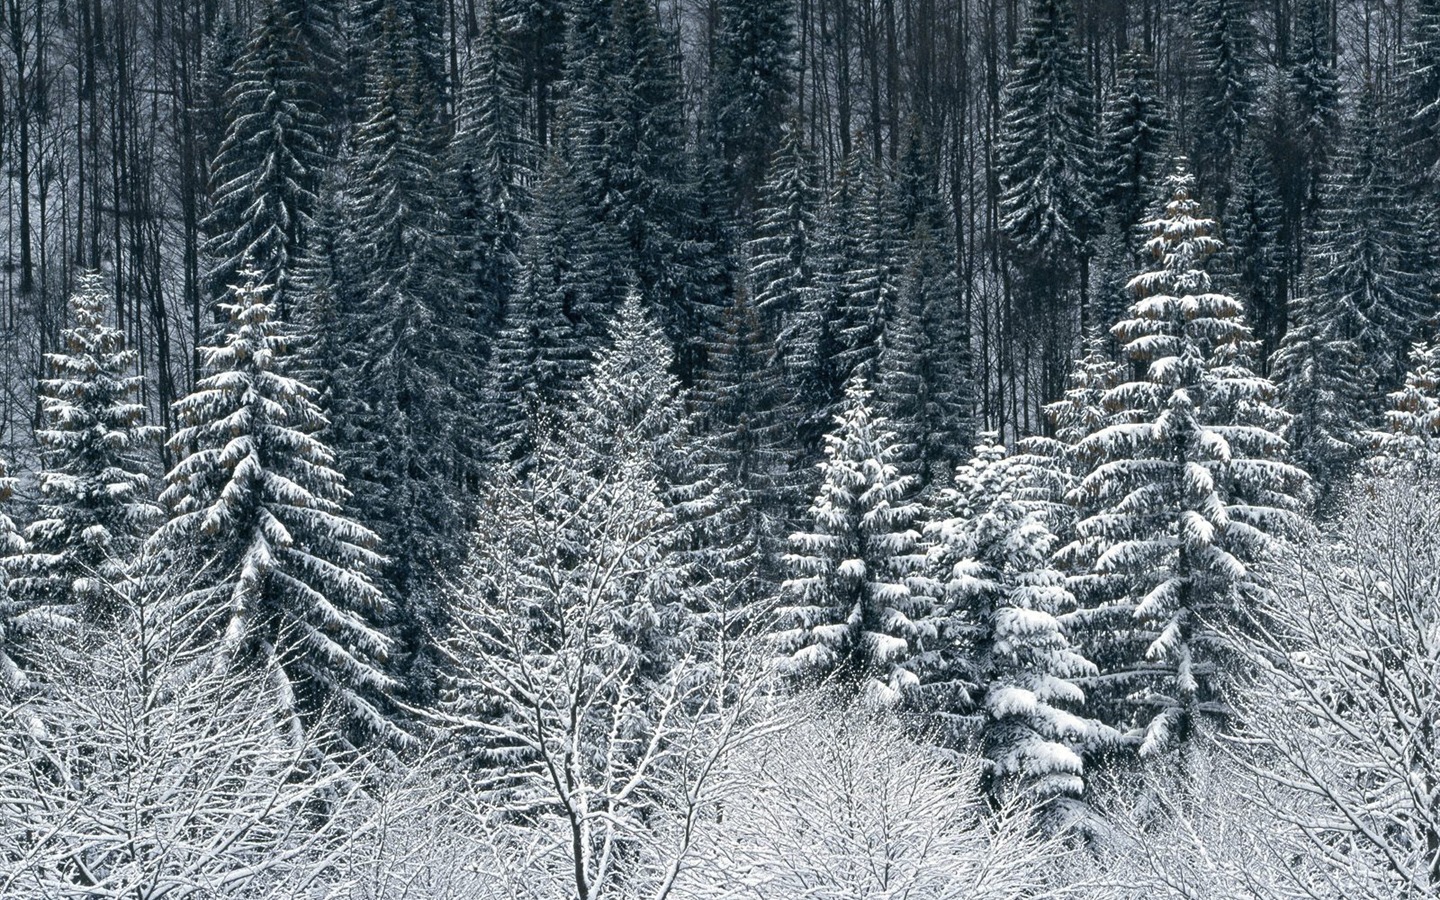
point(750, 448)
point(1006, 606)
point(939, 414)
point(855, 608)
point(95, 505)
point(1361, 264)
point(751, 83)
point(1322, 379)
point(1419, 92)
point(267, 171)
point(1191, 483)
point(1135, 146)
point(1412, 421)
point(556, 321)
point(408, 382)
point(258, 543)
point(1045, 157)
point(1256, 253)
point(625, 114)
point(489, 168)
point(1224, 90)
point(17, 618)
point(869, 275)
point(783, 276)
point(1316, 94)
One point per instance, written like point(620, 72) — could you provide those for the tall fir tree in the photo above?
point(1006, 605)
point(1411, 433)
point(262, 555)
point(95, 495)
point(1361, 263)
point(855, 608)
point(783, 275)
point(1257, 257)
point(1135, 142)
point(490, 165)
point(750, 93)
point(408, 384)
point(750, 443)
point(1315, 88)
point(868, 276)
point(18, 619)
point(1045, 154)
point(571, 284)
point(1224, 76)
point(1417, 136)
point(268, 169)
point(1191, 485)
point(625, 115)
point(941, 415)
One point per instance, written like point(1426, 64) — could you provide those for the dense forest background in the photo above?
point(473, 449)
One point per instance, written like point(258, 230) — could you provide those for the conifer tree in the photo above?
point(854, 608)
point(1006, 606)
point(625, 115)
point(1045, 152)
point(1256, 253)
point(258, 545)
point(784, 278)
point(1316, 94)
point(1419, 91)
point(95, 504)
point(267, 171)
point(1191, 485)
point(557, 319)
point(840, 246)
point(869, 275)
point(938, 413)
point(410, 373)
point(1225, 90)
point(490, 161)
point(17, 618)
point(750, 90)
point(1135, 146)
point(750, 444)
point(1411, 433)
point(1362, 261)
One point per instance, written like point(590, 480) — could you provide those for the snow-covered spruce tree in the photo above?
point(750, 441)
point(868, 279)
point(1362, 303)
point(1004, 606)
point(265, 176)
point(783, 259)
point(1419, 93)
point(1315, 92)
point(1191, 485)
point(625, 113)
point(571, 283)
point(1256, 253)
point(754, 69)
point(854, 609)
point(259, 547)
point(489, 166)
point(1223, 41)
point(1046, 150)
point(95, 505)
point(17, 620)
point(1135, 146)
point(408, 389)
point(1363, 259)
point(923, 374)
point(1411, 434)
